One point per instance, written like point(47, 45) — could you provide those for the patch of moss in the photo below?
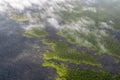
point(98, 40)
point(77, 74)
point(78, 37)
point(61, 52)
point(103, 13)
point(19, 17)
point(60, 68)
point(64, 73)
point(112, 45)
point(35, 32)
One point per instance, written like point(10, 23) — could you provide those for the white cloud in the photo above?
point(54, 23)
point(22, 4)
point(48, 6)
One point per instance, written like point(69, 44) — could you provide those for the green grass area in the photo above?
point(88, 40)
point(60, 51)
point(104, 12)
point(78, 12)
point(70, 16)
point(67, 36)
point(35, 32)
point(97, 40)
point(60, 68)
point(92, 35)
point(112, 45)
point(77, 74)
point(64, 73)
point(24, 17)
point(19, 17)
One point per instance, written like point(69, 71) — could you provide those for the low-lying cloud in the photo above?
point(22, 4)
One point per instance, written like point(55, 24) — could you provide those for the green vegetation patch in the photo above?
point(98, 40)
point(77, 74)
point(35, 32)
point(112, 45)
point(87, 38)
point(19, 17)
point(61, 52)
point(60, 68)
point(101, 11)
point(64, 73)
